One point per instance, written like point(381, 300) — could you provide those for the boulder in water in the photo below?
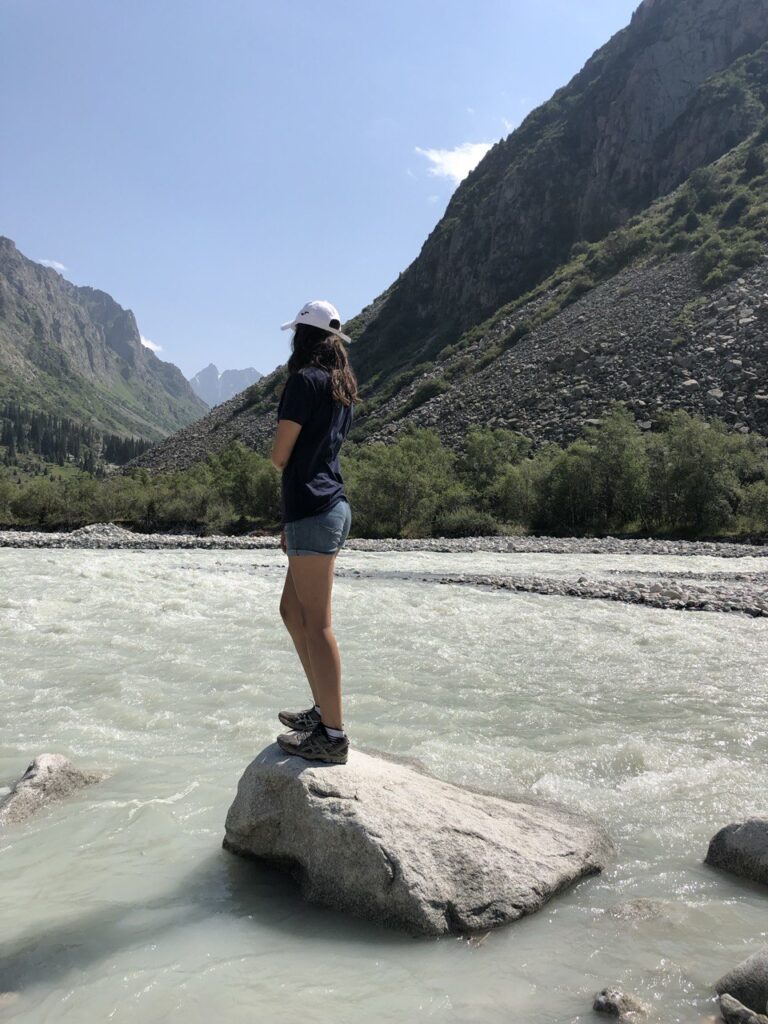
point(742, 849)
point(619, 1004)
point(748, 983)
point(48, 777)
point(386, 842)
point(734, 1012)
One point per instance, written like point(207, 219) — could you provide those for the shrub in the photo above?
point(754, 506)
point(399, 489)
point(465, 521)
point(429, 389)
point(735, 210)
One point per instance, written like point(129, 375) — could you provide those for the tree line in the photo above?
point(60, 440)
point(688, 478)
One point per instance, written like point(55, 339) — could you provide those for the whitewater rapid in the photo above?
point(167, 668)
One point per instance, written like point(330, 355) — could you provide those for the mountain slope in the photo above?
point(665, 311)
point(75, 352)
point(632, 125)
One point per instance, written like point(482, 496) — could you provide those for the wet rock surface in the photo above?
point(742, 849)
point(623, 1005)
point(383, 841)
point(734, 1012)
point(48, 777)
point(748, 982)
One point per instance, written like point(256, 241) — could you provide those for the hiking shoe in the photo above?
point(303, 721)
point(315, 745)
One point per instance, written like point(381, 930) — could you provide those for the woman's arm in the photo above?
point(285, 438)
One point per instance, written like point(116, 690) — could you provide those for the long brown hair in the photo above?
point(312, 346)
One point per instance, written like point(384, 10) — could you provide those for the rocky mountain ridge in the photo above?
point(214, 387)
point(75, 352)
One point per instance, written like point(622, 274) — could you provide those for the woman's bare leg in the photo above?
point(293, 617)
point(312, 577)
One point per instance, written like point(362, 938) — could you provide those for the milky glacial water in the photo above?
point(166, 669)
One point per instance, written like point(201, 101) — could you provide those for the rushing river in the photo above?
point(167, 669)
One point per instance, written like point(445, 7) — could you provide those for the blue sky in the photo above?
point(213, 164)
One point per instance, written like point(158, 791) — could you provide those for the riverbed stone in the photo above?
point(742, 849)
point(623, 1005)
point(748, 982)
point(734, 1012)
point(48, 777)
point(384, 841)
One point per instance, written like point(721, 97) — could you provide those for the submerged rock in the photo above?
point(742, 849)
point(383, 841)
point(734, 1012)
point(748, 983)
point(48, 777)
point(619, 1004)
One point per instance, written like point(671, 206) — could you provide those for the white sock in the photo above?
point(335, 734)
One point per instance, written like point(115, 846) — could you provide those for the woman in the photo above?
point(314, 416)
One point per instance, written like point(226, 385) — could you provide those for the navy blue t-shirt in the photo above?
point(311, 480)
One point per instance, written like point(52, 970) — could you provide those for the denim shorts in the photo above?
point(322, 534)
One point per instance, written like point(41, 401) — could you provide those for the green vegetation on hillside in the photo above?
point(690, 478)
point(32, 437)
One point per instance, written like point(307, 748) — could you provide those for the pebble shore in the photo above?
point(742, 591)
point(109, 536)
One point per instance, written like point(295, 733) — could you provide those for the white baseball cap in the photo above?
point(318, 313)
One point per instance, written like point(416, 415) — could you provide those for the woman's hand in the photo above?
point(283, 544)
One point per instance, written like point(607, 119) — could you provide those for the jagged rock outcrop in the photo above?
point(214, 387)
point(48, 777)
point(75, 352)
point(386, 842)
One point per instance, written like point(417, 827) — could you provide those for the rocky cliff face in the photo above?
point(214, 387)
point(76, 352)
point(629, 127)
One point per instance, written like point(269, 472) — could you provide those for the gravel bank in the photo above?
point(107, 535)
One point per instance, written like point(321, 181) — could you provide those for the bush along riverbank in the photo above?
point(691, 479)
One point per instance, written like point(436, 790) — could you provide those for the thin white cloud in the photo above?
point(455, 163)
point(54, 264)
point(150, 345)
point(432, 199)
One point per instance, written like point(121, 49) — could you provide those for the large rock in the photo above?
point(734, 1012)
point(742, 849)
point(748, 983)
point(48, 777)
point(386, 842)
